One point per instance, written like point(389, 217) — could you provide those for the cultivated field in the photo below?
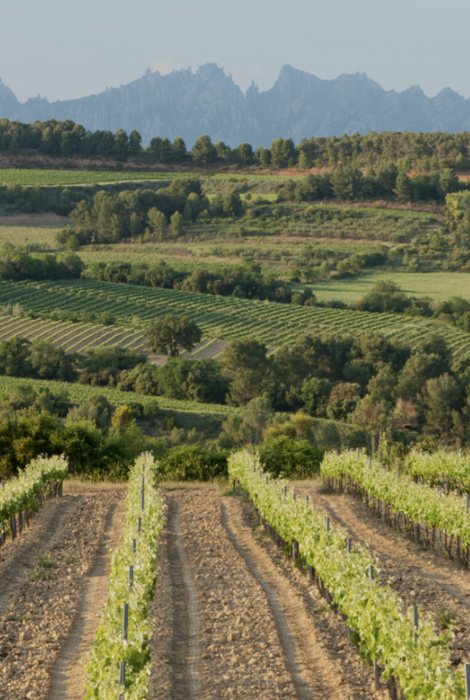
point(222, 318)
point(260, 592)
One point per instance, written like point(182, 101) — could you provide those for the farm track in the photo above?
point(252, 630)
point(421, 577)
point(38, 611)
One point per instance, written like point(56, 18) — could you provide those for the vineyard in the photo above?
point(220, 317)
point(263, 591)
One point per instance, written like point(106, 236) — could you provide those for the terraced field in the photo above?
point(220, 317)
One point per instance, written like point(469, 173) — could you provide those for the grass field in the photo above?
point(222, 318)
point(437, 285)
point(52, 178)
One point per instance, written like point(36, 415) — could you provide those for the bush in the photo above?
point(190, 463)
point(291, 458)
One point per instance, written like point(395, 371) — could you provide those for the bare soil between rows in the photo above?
point(53, 576)
point(232, 618)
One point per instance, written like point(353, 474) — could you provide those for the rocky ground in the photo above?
point(233, 619)
point(46, 575)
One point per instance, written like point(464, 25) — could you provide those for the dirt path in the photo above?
point(255, 628)
point(49, 569)
point(68, 678)
point(420, 576)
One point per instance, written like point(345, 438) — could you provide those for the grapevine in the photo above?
point(374, 612)
point(110, 648)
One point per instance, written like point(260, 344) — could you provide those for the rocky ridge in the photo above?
point(208, 101)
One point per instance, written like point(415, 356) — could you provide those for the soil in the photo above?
point(421, 576)
point(233, 619)
point(53, 574)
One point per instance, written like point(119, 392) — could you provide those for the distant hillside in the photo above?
point(299, 105)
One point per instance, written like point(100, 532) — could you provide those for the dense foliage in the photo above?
point(247, 281)
point(22, 492)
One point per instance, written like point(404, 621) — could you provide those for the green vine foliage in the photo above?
point(420, 503)
point(22, 492)
point(110, 648)
point(374, 612)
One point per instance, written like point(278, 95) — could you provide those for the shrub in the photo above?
point(291, 457)
point(192, 463)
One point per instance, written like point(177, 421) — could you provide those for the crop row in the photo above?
point(403, 503)
point(220, 317)
point(23, 494)
point(72, 337)
point(447, 469)
point(418, 660)
point(120, 657)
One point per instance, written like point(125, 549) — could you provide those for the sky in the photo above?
point(62, 49)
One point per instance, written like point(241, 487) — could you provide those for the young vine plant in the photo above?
point(374, 612)
point(22, 492)
point(132, 587)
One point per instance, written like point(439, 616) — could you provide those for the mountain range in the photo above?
point(208, 101)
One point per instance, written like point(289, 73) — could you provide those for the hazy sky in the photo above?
point(63, 49)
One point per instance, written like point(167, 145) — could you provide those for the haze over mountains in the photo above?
point(298, 105)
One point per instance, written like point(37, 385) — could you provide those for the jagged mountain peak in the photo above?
point(208, 101)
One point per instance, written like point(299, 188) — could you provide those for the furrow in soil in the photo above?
point(19, 555)
point(295, 636)
point(45, 595)
point(255, 639)
point(68, 677)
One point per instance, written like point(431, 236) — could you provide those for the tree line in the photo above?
point(384, 385)
point(422, 151)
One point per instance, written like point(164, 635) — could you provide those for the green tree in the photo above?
point(121, 145)
point(232, 204)
point(204, 150)
point(291, 457)
point(246, 364)
point(48, 362)
point(15, 357)
point(403, 188)
point(167, 335)
point(178, 149)
point(442, 402)
point(176, 224)
point(283, 153)
point(244, 154)
point(157, 221)
point(135, 143)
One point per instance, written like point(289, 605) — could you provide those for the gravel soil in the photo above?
point(45, 574)
point(421, 576)
point(232, 618)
